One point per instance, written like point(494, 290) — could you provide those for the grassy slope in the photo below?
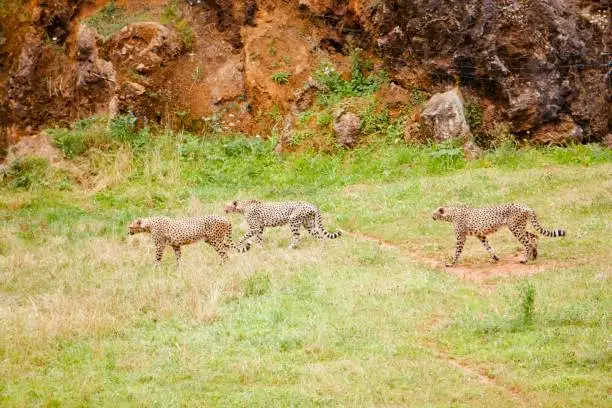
point(87, 320)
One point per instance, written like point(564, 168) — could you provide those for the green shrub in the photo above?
point(358, 85)
point(373, 120)
point(123, 128)
point(474, 114)
point(70, 142)
point(299, 136)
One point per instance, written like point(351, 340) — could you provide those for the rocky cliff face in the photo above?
point(229, 64)
point(538, 59)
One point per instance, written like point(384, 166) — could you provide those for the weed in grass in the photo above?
point(445, 157)
point(257, 285)
point(527, 293)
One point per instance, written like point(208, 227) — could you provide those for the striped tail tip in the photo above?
point(555, 233)
point(333, 235)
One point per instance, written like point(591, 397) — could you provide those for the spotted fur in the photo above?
point(481, 222)
point(259, 215)
point(217, 231)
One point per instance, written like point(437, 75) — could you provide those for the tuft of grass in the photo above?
point(29, 172)
point(257, 285)
point(324, 119)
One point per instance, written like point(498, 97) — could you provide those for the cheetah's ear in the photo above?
point(235, 203)
point(138, 221)
point(441, 210)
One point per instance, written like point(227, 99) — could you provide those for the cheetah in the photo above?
point(261, 214)
point(217, 231)
point(481, 222)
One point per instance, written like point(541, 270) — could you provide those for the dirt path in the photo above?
point(484, 274)
point(478, 274)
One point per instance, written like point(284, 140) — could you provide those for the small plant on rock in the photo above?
point(281, 77)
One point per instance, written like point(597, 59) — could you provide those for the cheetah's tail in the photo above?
point(554, 233)
point(326, 233)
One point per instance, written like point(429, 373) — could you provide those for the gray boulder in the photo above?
point(444, 114)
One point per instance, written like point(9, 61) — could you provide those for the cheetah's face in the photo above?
point(232, 207)
point(136, 226)
point(440, 214)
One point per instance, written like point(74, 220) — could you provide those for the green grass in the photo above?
point(111, 19)
point(87, 320)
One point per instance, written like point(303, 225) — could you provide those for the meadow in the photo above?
point(370, 319)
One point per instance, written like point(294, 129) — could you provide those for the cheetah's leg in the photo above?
point(295, 230)
point(533, 239)
point(220, 247)
point(159, 253)
point(490, 250)
point(458, 248)
point(523, 238)
point(177, 253)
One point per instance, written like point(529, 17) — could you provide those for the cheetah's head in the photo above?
point(138, 225)
point(440, 214)
point(239, 206)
